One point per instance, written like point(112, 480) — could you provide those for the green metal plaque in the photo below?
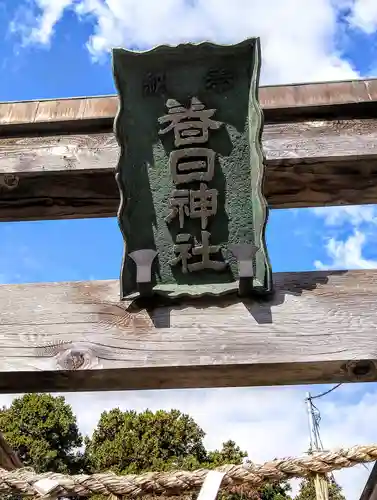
point(191, 170)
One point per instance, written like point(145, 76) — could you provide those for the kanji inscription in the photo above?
point(201, 203)
point(191, 125)
point(186, 250)
point(154, 84)
point(192, 164)
point(219, 79)
point(190, 172)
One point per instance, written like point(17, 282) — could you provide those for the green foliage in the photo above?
point(230, 453)
point(130, 442)
point(42, 429)
point(307, 490)
point(275, 491)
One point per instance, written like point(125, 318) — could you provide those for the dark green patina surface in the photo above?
point(211, 91)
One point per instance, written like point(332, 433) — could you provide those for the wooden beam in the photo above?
point(9, 459)
point(281, 103)
point(320, 327)
point(309, 164)
point(370, 488)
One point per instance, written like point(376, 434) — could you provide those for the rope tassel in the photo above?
point(24, 481)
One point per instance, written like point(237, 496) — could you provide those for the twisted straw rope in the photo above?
point(178, 482)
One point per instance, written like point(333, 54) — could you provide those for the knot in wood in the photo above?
point(363, 371)
point(9, 181)
point(76, 358)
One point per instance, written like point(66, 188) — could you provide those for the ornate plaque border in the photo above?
point(262, 283)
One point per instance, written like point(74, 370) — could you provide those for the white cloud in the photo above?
point(267, 423)
point(298, 36)
point(364, 15)
point(354, 215)
point(347, 254)
point(36, 20)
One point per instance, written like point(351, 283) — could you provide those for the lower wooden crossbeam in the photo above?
point(319, 327)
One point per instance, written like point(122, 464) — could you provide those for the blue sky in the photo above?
point(59, 48)
point(62, 70)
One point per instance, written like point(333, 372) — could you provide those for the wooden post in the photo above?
point(320, 480)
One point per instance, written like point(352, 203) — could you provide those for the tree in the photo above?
point(230, 453)
point(132, 443)
point(275, 491)
point(307, 490)
point(42, 430)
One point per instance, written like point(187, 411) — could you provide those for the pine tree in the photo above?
point(307, 490)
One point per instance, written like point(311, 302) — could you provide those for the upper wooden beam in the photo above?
point(57, 158)
point(320, 327)
point(309, 164)
point(331, 100)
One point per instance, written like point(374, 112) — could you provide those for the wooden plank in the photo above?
point(348, 99)
point(60, 110)
point(370, 489)
point(318, 94)
point(309, 164)
point(9, 459)
point(17, 113)
point(320, 327)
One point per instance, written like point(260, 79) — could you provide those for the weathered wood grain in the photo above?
point(348, 99)
point(309, 164)
point(370, 489)
point(319, 327)
point(9, 459)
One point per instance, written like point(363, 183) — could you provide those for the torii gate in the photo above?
point(57, 160)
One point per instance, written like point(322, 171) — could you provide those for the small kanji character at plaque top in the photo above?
point(190, 125)
point(154, 84)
